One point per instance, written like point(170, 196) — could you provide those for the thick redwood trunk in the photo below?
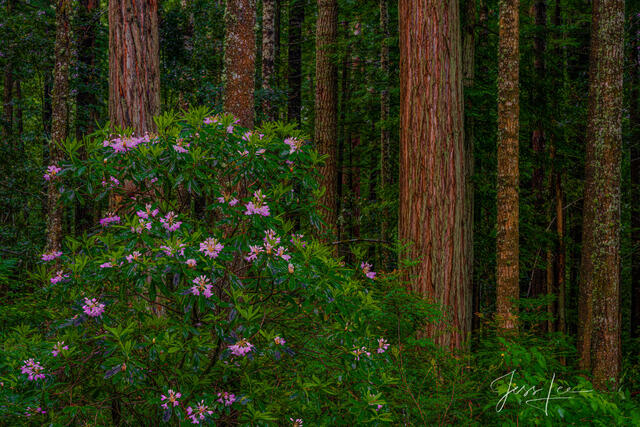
point(239, 56)
point(134, 67)
point(432, 214)
point(326, 104)
point(296, 18)
point(507, 256)
point(600, 265)
point(268, 56)
point(60, 118)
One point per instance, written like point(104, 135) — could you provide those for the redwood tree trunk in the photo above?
point(635, 182)
point(507, 287)
point(134, 67)
point(296, 18)
point(60, 118)
point(326, 104)
point(432, 214)
point(600, 265)
point(268, 56)
point(239, 57)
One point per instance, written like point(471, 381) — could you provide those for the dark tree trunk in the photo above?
point(507, 256)
point(386, 179)
point(46, 104)
point(19, 107)
point(599, 309)
point(326, 104)
point(634, 120)
point(268, 57)
point(86, 101)
point(134, 67)
point(296, 18)
point(432, 214)
point(239, 56)
point(60, 118)
point(7, 99)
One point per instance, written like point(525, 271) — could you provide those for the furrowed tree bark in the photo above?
point(134, 66)
point(296, 18)
point(634, 119)
point(600, 263)
point(386, 179)
point(468, 69)
point(326, 103)
point(60, 118)
point(268, 56)
point(432, 214)
point(239, 57)
point(507, 255)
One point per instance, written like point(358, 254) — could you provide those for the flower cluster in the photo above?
point(170, 221)
point(357, 352)
point(122, 144)
point(92, 307)
point(224, 198)
point(269, 246)
point(241, 348)
point(134, 256)
point(58, 348)
point(148, 212)
point(34, 411)
point(172, 398)
point(198, 414)
point(33, 370)
point(226, 398)
point(52, 173)
point(297, 422)
point(211, 247)
point(279, 341)
point(59, 277)
point(202, 286)
point(50, 256)
point(257, 206)
point(142, 225)
point(113, 182)
point(366, 269)
point(109, 219)
point(294, 144)
point(181, 146)
point(383, 345)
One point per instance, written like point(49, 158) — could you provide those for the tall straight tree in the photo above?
point(268, 56)
point(599, 302)
point(86, 100)
point(432, 213)
point(239, 60)
point(326, 105)
point(507, 255)
point(60, 117)
point(634, 121)
point(296, 18)
point(134, 64)
point(385, 134)
point(7, 99)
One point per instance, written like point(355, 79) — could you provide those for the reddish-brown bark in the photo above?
point(239, 57)
point(599, 305)
point(60, 118)
point(134, 67)
point(507, 255)
point(268, 56)
point(326, 103)
point(634, 119)
point(432, 213)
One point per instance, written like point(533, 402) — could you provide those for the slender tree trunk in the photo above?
point(276, 48)
point(134, 64)
point(326, 106)
point(60, 118)
point(7, 100)
point(635, 181)
point(600, 265)
point(432, 214)
point(538, 142)
point(86, 100)
point(468, 68)
point(386, 178)
point(19, 108)
point(268, 57)
point(296, 18)
point(46, 103)
point(507, 256)
point(239, 55)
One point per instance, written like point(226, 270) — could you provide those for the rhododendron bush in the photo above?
point(202, 293)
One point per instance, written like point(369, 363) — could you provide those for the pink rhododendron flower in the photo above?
point(30, 411)
point(241, 348)
point(180, 146)
point(226, 398)
point(148, 212)
point(294, 144)
point(279, 341)
point(122, 144)
point(142, 225)
point(233, 202)
point(198, 414)
point(202, 286)
point(270, 240)
point(211, 247)
point(50, 256)
point(243, 153)
point(230, 129)
point(134, 256)
point(92, 307)
point(58, 348)
point(106, 265)
point(33, 370)
point(257, 206)
point(169, 222)
point(172, 398)
point(366, 269)
point(297, 422)
point(110, 218)
point(191, 262)
point(60, 276)
point(114, 182)
point(297, 239)
point(281, 252)
point(52, 172)
point(357, 352)
point(253, 254)
point(383, 345)
point(171, 251)
point(260, 151)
